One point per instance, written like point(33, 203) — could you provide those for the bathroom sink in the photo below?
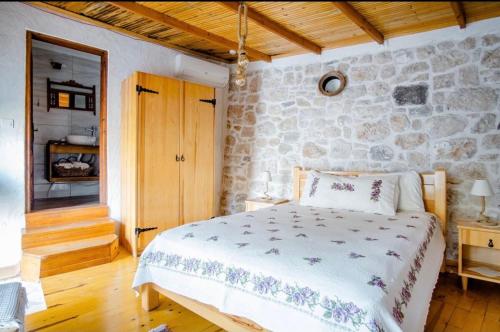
point(81, 139)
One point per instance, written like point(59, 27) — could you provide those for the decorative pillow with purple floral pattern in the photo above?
point(371, 194)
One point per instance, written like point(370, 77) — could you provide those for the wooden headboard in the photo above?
point(433, 186)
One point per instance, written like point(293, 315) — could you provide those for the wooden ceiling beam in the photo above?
point(459, 12)
point(87, 20)
point(359, 20)
point(276, 28)
point(188, 28)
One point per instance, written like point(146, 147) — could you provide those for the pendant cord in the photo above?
point(242, 24)
point(241, 71)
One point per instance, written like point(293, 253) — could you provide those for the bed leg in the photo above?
point(150, 298)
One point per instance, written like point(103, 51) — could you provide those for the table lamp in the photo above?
point(266, 177)
point(482, 189)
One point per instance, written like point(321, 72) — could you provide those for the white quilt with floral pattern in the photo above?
point(298, 268)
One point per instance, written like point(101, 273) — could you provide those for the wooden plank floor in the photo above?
point(100, 299)
point(452, 310)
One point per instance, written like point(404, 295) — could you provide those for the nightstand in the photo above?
point(253, 204)
point(478, 247)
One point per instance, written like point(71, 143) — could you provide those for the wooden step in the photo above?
point(68, 256)
point(43, 236)
point(59, 216)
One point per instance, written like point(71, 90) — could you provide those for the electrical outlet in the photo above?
point(6, 123)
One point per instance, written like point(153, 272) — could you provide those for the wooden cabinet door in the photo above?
point(159, 141)
point(197, 171)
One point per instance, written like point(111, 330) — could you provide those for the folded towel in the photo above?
point(74, 164)
point(81, 165)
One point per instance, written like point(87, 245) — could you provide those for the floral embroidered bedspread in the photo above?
point(298, 268)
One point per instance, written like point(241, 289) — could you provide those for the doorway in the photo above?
point(65, 149)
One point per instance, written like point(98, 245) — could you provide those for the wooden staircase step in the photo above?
point(42, 236)
point(71, 246)
point(59, 216)
point(68, 256)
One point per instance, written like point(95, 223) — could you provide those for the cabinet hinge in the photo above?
point(140, 88)
point(139, 230)
point(209, 101)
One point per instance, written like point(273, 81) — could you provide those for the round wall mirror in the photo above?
point(332, 83)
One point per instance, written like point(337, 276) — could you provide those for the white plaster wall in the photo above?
point(126, 55)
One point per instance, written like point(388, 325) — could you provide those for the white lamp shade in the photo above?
point(266, 176)
point(481, 188)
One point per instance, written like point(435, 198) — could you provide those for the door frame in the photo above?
point(28, 146)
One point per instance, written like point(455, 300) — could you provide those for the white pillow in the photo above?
point(371, 194)
point(410, 192)
point(397, 194)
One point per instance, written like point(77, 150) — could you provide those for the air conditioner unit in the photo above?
point(199, 71)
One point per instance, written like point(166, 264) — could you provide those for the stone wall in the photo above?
point(416, 108)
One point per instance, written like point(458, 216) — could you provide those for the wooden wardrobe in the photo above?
point(167, 156)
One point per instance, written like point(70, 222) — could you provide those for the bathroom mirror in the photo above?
point(80, 101)
point(332, 83)
point(63, 99)
point(70, 95)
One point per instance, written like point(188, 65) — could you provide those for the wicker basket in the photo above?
point(60, 171)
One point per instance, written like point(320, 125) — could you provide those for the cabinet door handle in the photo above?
point(182, 157)
point(177, 157)
point(490, 243)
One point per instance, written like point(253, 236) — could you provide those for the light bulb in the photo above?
point(240, 70)
point(240, 81)
point(240, 78)
point(243, 59)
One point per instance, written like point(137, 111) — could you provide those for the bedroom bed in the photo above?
point(300, 268)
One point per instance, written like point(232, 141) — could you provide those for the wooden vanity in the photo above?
point(54, 148)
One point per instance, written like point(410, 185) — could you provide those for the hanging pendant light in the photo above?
point(241, 70)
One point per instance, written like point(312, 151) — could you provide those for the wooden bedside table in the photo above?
point(477, 247)
point(253, 204)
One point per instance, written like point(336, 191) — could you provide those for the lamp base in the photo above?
point(483, 218)
point(485, 221)
point(267, 197)
point(491, 224)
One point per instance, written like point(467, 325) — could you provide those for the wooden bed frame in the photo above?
point(434, 193)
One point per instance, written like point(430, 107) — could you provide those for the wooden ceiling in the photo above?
point(276, 29)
